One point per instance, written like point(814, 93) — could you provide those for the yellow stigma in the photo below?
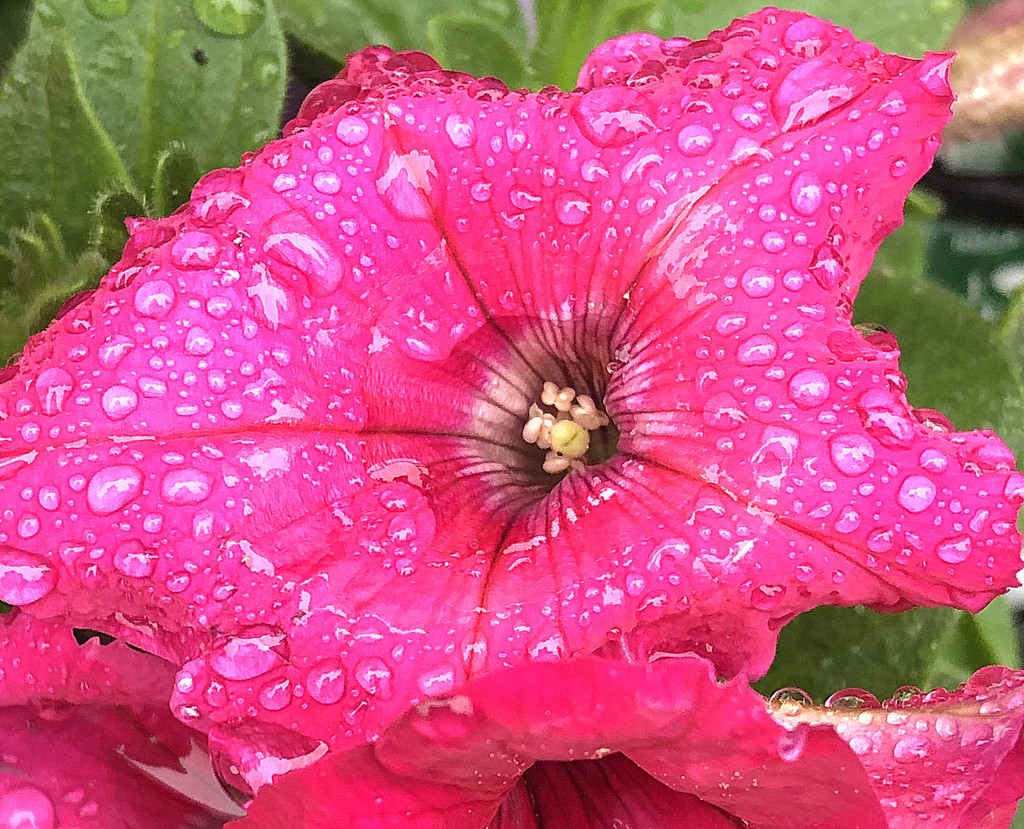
point(570, 439)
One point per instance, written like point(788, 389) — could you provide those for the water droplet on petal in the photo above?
point(26, 807)
point(461, 131)
point(252, 653)
point(326, 182)
point(53, 387)
point(917, 493)
point(133, 559)
point(898, 168)
point(113, 487)
point(809, 388)
point(232, 18)
point(805, 194)
point(757, 282)
point(694, 140)
point(154, 299)
point(437, 682)
point(374, 677)
point(759, 350)
point(275, 696)
point(352, 130)
point(195, 249)
point(611, 116)
point(910, 750)
point(405, 181)
point(852, 454)
point(954, 550)
point(572, 208)
point(198, 342)
point(326, 681)
point(24, 578)
point(807, 38)
point(292, 240)
point(119, 401)
point(186, 486)
point(810, 91)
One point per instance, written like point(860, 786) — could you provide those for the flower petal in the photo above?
point(88, 740)
point(281, 445)
point(705, 740)
point(566, 730)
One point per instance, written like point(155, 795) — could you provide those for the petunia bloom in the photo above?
point(452, 380)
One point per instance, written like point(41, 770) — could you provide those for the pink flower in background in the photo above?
point(88, 741)
point(453, 380)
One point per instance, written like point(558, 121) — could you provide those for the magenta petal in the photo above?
point(455, 762)
point(281, 446)
point(93, 767)
point(88, 740)
point(587, 742)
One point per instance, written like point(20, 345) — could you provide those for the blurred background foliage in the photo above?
point(113, 108)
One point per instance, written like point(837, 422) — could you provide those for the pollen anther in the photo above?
point(564, 433)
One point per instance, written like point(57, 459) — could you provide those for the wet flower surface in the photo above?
point(88, 741)
point(451, 380)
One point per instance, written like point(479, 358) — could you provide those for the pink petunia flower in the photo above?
point(452, 380)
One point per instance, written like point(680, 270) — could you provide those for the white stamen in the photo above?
point(567, 429)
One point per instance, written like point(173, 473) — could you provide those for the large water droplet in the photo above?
point(954, 550)
point(694, 140)
point(852, 454)
point(757, 282)
point(405, 182)
point(572, 208)
point(53, 387)
point(154, 299)
point(119, 401)
point(186, 486)
point(292, 240)
point(807, 38)
point(195, 249)
point(27, 807)
point(374, 677)
point(326, 681)
point(809, 388)
point(611, 116)
point(917, 493)
point(805, 194)
point(810, 91)
point(234, 18)
point(24, 578)
point(113, 487)
point(352, 130)
point(133, 559)
point(461, 131)
point(252, 653)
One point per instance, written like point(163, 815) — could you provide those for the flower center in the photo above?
point(565, 432)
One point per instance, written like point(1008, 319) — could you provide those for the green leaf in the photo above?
point(910, 27)
point(570, 29)
point(14, 19)
point(832, 648)
point(450, 32)
point(337, 28)
point(474, 46)
point(36, 276)
point(987, 638)
point(177, 171)
point(54, 154)
point(208, 73)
